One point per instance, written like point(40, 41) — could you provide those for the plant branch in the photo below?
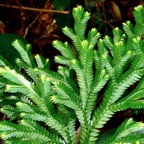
point(78, 135)
point(34, 9)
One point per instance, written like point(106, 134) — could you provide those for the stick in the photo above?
point(34, 9)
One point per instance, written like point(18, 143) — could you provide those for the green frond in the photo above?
point(66, 113)
point(138, 104)
point(93, 136)
point(137, 44)
point(139, 19)
point(100, 117)
point(40, 117)
point(97, 62)
point(71, 130)
point(43, 86)
point(49, 121)
point(123, 85)
point(56, 77)
point(11, 112)
point(117, 35)
point(7, 98)
point(138, 14)
point(139, 29)
point(31, 75)
point(137, 93)
point(138, 61)
point(64, 48)
point(80, 115)
point(30, 93)
point(73, 84)
point(128, 29)
point(109, 44)
point(23, 141)
point(134, 138)
point(81, 18)
point(93, 36)
point(52, 75)
point(127, 128)
point(78, 13)
point(123, 63)
point(106, 62)
point(86, 55)
point(41, 62)
point(7, 126)
point(90, 105)
point(102, 48)
point(58, 99)
point(24, 51)
point(70, 33)
point(25, 107)
point(99, 82)
point(66, 93)
point(62, 60)
point(81, 81)
point(123, 105)
point(24, 132)
point(75, 39)
point(64, 71)
point(85, 49)
point(80, 28)
point(118, 52)
point(15, 89)
point(14, 77)
point(129, 47)
point(135, 96)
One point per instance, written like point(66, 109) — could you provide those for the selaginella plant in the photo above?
point(96, 78)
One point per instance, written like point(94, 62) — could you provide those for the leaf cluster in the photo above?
point(94, 80)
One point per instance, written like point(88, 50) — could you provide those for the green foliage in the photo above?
point(6, 48)
point(93, 81)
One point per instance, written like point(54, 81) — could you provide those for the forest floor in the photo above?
point(40, 23)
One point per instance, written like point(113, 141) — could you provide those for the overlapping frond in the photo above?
point(129, 127)
point(27, 130)
point(24, 50)
point(41, 62)
point(11, 111)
